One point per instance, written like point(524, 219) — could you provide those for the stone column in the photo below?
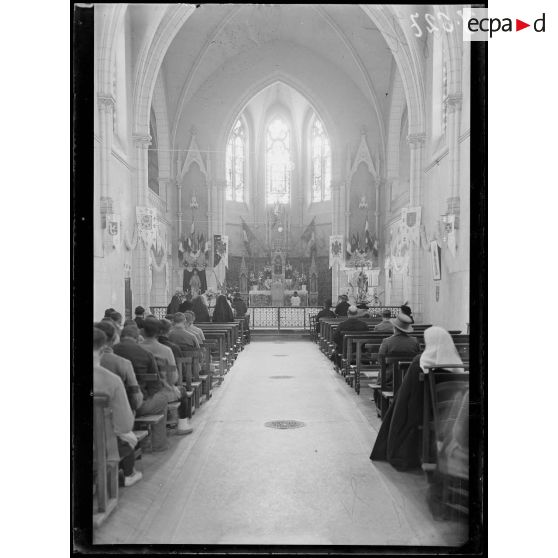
point(337, 226)
point(221, 186)
point(106, 104)
point(213, 217)
point(142, 143)
point(141, 268)
point(416, 143)
point(416, 287)
point(454, 118)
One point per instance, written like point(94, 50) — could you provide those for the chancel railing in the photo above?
point(284, 317)
point(281, 317)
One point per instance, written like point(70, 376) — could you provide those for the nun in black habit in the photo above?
point(399, 440)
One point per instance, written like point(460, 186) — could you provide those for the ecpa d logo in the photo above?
point(479, 26)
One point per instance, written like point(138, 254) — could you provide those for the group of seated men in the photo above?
point(145, 345)
point(401, 343)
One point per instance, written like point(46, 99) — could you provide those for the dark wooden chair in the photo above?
point(441, 389)
point(105, 460)
point(446, 404)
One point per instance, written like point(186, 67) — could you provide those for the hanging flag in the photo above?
point(220, 256)
point(312, 244)
point(247, 236)
point(113, 229)
point(375, 246)
point(309, 231)
point(452, 242)
point(146, 219)
point(335, 249)
point(349, 250)
point(367, 239)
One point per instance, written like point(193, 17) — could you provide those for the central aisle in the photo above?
point(235, 481)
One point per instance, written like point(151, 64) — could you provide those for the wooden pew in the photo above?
point(105, 460)
point(399, 365)
point(216, 341)
point(461, 343)
point(349, 357)
point(232, 346)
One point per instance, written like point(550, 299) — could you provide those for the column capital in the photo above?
point(141, 140)
point(453, 102)
point(416, 140)
point(106, 100)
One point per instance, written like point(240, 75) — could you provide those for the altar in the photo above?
point(275, 296)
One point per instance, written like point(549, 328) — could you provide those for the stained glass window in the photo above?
point(236, 164)
point(321, 163)
point(278, 164)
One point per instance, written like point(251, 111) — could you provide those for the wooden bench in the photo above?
point(105, 460)
point(217, 342)
point(147, 422)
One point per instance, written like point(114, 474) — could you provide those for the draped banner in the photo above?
point(220, 256)
point(114, 229)
point(450, 228)
point(335, 249)
point(410, 216)
point(147, 223)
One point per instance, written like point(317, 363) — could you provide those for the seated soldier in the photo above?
point(154, 400)
point(109, 384)
point(132, 323)
point(189, 326)
point(116, 317)
point(120, 366)
point(178, 334)
point(385, 324)
point(108, 312)
point(352, 323)
point(164, 338)
point(140, 313)
point(172, 383)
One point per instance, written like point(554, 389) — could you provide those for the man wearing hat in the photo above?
point(399, 344)
point(385, 324)
point(352, 323)
point(342, 306)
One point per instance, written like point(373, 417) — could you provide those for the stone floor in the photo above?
point(235, 481)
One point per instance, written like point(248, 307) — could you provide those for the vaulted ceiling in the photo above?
point(340, 35)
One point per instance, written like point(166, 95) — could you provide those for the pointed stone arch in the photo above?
point(193, 155)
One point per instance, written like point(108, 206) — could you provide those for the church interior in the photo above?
point(281, 221)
